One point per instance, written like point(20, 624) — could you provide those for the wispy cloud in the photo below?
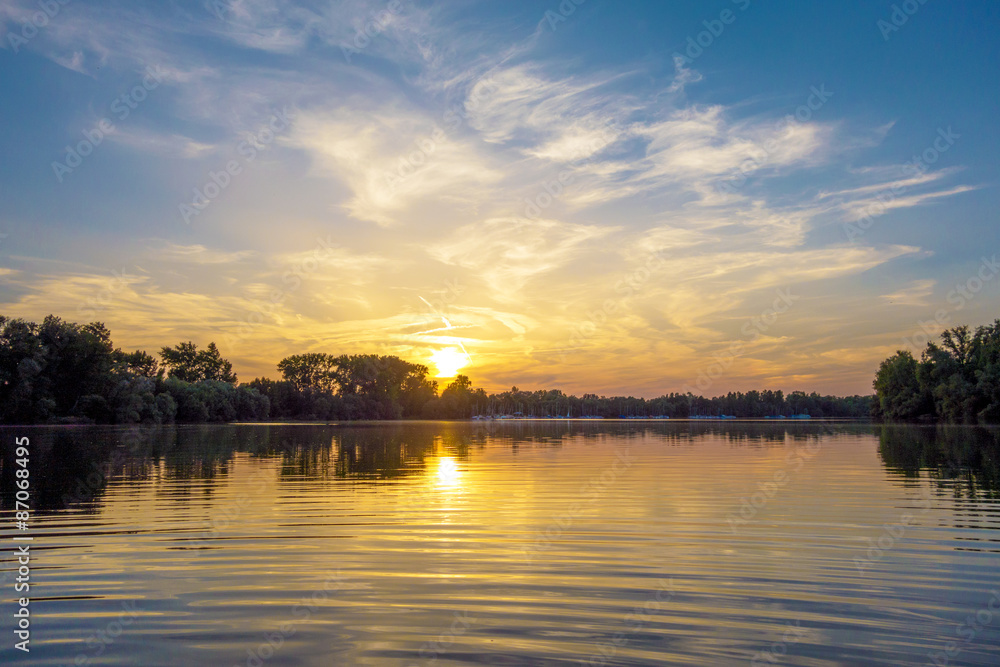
point(392, 161)
point(916, 294)
point(507, 253)
point(416, 150)
point(197, 254)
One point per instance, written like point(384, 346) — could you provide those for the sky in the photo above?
point(623, 198)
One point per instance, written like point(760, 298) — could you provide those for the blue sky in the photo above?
point(562, 195)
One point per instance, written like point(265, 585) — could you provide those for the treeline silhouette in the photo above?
point(62, 372)
point(956, 381)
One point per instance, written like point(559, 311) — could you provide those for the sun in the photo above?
point(449, 361)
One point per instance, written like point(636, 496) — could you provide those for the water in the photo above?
point(525, 543)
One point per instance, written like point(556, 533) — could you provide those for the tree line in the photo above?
point(60, 371)
point(956, 381)
point(63, 372)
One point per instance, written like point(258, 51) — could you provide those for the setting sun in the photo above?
point(448, 361)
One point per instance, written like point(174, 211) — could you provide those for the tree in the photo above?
point(461, 384)
point(987, 363)
point(456, 399)
point(138, 363)
point(216, 401)
point(24, 395)
point(361, 386)
point(46, 369)
point(897, 389)
point(78, 359)
point(958, 379)
point(958, 343)
point(186, 363)
point(314, 371)
point(417, 391)
point(382, 387)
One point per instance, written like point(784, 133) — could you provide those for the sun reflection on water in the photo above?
point(448, 474)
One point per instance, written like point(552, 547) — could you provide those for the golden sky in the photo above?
point(575, 206)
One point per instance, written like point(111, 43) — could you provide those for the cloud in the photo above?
point(683, 77)
point(875, 206)
point(392, 160)
point(508, 252)
point(616, 148)
point(697, 146)
point(151, 142)
point(437, 131)
point(916, 294)
point(72, 61)
point(196, 254)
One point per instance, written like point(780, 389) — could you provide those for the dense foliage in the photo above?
point(58, 371)
point(319, 386)
point(956, 381)
point(460, 399)
point(361, 386)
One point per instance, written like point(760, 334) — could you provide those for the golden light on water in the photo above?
point(449, 361)
point(448, 474)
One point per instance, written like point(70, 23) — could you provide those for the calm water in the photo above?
point(529, 543)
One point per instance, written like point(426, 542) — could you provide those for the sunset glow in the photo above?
point(575, 331)
point(449, 361)
point(599, 202)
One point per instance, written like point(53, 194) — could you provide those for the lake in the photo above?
point(518, 543)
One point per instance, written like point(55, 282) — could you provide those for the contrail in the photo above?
point(461, 326)
point(447, 326)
